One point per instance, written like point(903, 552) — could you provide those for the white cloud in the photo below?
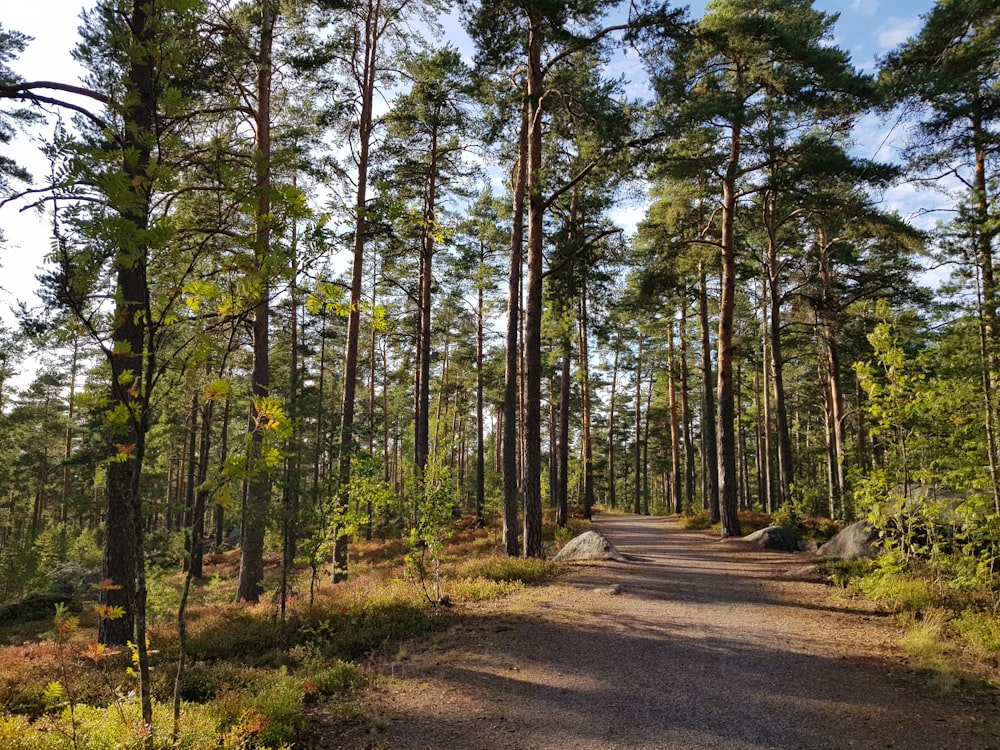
point(894, 31)
point(864, 7)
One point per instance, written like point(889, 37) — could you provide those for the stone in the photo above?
point(74, 580)
point(613, 590)
point(589, 546)
point(854, 542)
point(781, 538)
point(41, 606)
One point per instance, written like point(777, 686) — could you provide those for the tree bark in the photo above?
point(588, 447)
point(511, 402)
point(258, 503)
point(347, 406)
point(637, 500)
point(728, 479)
point(533, 306)
point(709, 447)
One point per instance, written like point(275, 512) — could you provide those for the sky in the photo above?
point(866, 28)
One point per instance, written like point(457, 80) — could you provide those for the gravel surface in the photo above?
point(709, 644)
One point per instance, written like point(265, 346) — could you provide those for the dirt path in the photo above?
point(708, 645)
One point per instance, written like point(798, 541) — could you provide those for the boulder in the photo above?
point(853, 543)
point(74, 580)
point(35, 607)
point(781, 538)
point(589, 546)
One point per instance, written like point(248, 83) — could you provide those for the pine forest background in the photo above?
point(315, 276)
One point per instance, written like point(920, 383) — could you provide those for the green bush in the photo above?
point(265, 713)
point(892, 583)
point(695, 520)
point(336, 678)
point(980, 630)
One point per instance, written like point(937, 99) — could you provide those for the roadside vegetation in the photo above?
point(252, 672)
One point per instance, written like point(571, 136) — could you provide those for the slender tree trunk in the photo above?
point(347, 406)
point(637, 502)
point(784, 440)
point(259, 490)
point(612, 488)
point(480, 414)
point(562, 507)
point(677, 470)
point(511, 403)
point(588, 447)
point(553, 446)
point(985, 232)
point(709, 446)
point(533, 307)
point(422, 422)
point(220, 511)
point(728, 479)
point(689, 468)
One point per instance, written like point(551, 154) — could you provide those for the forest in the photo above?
point(316, 278)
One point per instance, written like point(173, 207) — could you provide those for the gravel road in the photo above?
point(709, 644)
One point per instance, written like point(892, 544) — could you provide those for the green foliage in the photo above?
point(267, 712)
point(843, 573)
point(435, 509)
point(980, 631)
point(891, 583)
point(20, 566)
point(696, 520)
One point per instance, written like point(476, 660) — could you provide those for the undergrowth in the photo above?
point(250, 674)
point(948, 629)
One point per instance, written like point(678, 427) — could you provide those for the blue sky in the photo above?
point(867, 28)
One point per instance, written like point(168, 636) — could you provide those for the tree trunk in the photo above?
point(588, 447)
point(346, 439)
point(562, 498)
point(511, 403)
point(785, 466)
point(480, 415)
point(728, 480)
point(637, 502)
point(612, 489)
point(533, 306)
point(422, 422)
point(676, 471)
point(689, 468)
point(709, 447)
point(259, 490)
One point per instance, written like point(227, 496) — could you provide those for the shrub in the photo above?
point(980, 631)
point(695, 520)
point(266, 712)
point(892, 583)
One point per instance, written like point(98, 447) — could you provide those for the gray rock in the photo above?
point(853, 543)
point(35, 607)
point(781, 538)
point(613, 590)
point(74, 580)
point(589, 546)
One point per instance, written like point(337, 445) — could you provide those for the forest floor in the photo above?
point(709, 644)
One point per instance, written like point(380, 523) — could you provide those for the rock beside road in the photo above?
point(853, 543)
point(780, 538)
point(589, 546)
